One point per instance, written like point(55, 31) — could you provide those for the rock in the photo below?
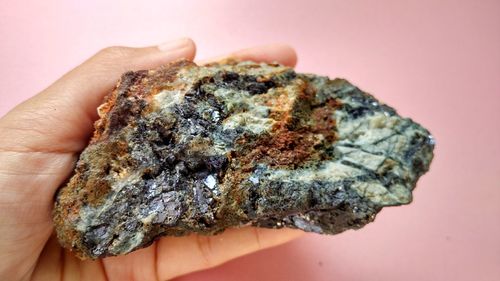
point(197, 149)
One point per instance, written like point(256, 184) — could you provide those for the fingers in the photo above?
point(280, 53)
point(61, 117)
point(139, 265)
point(67, 109)
point(181, 255)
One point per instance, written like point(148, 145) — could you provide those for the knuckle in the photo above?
point(256, 236)
point(205, 251)
point(114, 52)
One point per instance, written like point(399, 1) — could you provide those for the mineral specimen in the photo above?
point(197, 149)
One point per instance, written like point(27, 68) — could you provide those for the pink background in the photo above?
point(435, 61)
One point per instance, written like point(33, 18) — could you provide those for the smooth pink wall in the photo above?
point(436, 61)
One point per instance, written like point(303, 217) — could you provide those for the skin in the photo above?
point(40, 141)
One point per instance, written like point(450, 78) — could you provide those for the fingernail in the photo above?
point(174, 45)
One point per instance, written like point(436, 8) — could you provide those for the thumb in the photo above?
point(60, 118)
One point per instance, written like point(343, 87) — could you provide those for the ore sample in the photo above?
point(197, 149)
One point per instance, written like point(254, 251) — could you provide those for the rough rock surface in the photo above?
point(197, 149)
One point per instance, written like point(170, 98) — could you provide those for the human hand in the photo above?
point(39, 144)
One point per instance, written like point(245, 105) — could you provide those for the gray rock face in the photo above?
point(197, 149)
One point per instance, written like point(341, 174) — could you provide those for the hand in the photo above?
point(39, 143)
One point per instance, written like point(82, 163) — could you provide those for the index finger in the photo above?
point(281, 53)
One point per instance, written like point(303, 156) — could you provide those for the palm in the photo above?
point(39, 144)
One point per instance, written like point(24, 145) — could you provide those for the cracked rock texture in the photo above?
point(197, 149)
